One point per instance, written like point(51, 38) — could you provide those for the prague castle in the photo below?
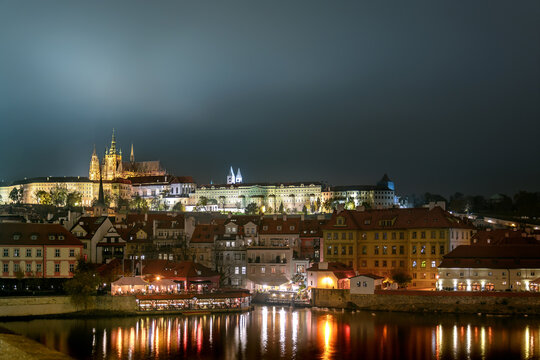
point(112, 166)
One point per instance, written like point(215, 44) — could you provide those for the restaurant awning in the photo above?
point(268, 280)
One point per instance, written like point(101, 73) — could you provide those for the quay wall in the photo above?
point(430, 301)
point(57, 305)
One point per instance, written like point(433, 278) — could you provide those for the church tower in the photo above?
point(238, 177)
point(231, 179)
point(112, 163)
point(94, 172)
point(132, 156)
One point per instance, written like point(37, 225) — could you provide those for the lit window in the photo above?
point(56, 268)
point(56, 252)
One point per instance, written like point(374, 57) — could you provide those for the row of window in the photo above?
point(383, 263)
point(423, 263)
point(385, 235)
point(272, 269)
point(38, 252)
point(490, 273)
point(28, 268)
point(423, 249)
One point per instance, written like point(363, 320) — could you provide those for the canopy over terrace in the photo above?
point(190, 275)
point(261, 282)
point(129, 285)
point(164, 285)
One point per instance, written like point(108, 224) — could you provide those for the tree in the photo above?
point(401, 277)
point(203, 202)
point(82, 286)
point(318, 204)
point(304, 209)
point(73, 198)
point(59, 195)
point(138, 203)
point(16, 195)
point(281, 211)
point(252, 209)
point(43, 197)
point(179, 207)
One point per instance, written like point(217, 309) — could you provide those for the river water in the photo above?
point(270, 332)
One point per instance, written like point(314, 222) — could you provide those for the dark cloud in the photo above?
point(443, 97)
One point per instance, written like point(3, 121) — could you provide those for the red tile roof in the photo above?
point(396, 219)
point(501, 236)
point(280, 226)
point(505, 256)
point(173, 269)
point(341, 271)
point(206, 233)
point(24, 233)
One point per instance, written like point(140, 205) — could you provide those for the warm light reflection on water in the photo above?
point(277, 332)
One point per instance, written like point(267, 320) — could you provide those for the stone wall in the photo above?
point(55, 305)
point(453, 302)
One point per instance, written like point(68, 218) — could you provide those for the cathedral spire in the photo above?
point(132, 156)
point(113, 144)
point(101, 195)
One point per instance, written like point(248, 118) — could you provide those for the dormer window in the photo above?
point(33, 237)
point(51, 237)
point(16, 236)
point(340, 221)
point(367, 222)
point(279, 227)
point(265, 227)
point(60, 237)
point(291, 227)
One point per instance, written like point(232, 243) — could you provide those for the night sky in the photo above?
point(443, 96)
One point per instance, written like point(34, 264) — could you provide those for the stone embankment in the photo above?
point(21, 348)
point(59, 305)
point(431, 301)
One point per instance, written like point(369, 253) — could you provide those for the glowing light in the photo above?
point(327, 281)
point(327, 336)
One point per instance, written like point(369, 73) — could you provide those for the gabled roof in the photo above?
point(280, 226)
point(372, 276)
point(36, 234)
point(501, 236)
point(90, 224)
point(341, 271)
point(396, 219)
point(130, 280)
point(206, 233)
point(173, 269)
point(506, 256)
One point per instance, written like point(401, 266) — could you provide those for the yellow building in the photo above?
point(382, 241)
point(38, 250)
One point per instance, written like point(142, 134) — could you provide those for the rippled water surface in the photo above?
point(276, 332)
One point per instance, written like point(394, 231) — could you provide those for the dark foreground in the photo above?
point(278, 332)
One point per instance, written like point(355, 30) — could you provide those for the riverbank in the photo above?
point(30, 307)
point(497, 303)
point(19, 347)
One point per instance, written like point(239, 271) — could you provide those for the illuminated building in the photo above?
point(381, 195)
point(113, 167)
point(40, 250)
point(270, 198)
point(381, 241)
point(100, 238)
point(329, 275)
point(503, 267)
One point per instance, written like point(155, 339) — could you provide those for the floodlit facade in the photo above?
point(37, 250)
point(382, 241)
point(506, 267)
